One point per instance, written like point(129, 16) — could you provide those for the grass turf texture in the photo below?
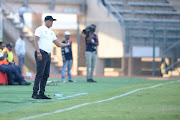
point(161, 103)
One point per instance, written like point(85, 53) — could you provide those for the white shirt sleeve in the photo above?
point(38, 32)
point(54, 36)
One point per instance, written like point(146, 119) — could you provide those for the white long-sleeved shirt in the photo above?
point(20, 47)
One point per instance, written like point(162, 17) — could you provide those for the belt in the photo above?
point(45, 52)
point(90, 51)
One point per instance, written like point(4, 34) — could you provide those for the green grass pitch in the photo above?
point(160, 103)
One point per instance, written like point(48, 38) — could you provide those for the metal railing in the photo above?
point(172, 46)
point(149, 4)
point(49, 1)
point(141, 33)
point(111, 8)
point(172, 66)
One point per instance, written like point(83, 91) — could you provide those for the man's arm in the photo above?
point(88, 38)
point(58, 44)
point(36, 43)
point(37, 48)
point(95, 43)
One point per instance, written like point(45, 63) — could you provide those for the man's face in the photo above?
point(67, 37)
point(91, 33)
point(10, 48)
point(22, 36)
point(49, 23)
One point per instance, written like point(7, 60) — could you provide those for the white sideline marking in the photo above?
point(84, 104)
point(72, 96)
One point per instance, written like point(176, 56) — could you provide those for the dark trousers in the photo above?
point(7, 70)
point(21, 59)
point(43, 69)
point(16, 74)
point(13, 73)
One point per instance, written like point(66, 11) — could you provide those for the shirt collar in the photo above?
point(21, 39)
point(45, 27)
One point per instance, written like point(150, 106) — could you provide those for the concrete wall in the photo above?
point(134, 66)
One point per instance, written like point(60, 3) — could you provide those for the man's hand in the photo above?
point(70, 42)
point(89, 40)
point(39, 55)
point(13, 63)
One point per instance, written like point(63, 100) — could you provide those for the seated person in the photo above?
point(8, 50)
point(13, 73)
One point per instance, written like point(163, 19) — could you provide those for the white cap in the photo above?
point(67, 33)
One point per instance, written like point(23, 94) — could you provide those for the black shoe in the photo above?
point(36, 96)
point(91, 80)
point(25, 83)
point(70, 81)
point(15, 83)
point(88, 80)
point(44, 96)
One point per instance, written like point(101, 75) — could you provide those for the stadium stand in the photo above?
point(143, 18)
point(146, 11)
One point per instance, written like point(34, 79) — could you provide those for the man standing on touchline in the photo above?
point(44, 37)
